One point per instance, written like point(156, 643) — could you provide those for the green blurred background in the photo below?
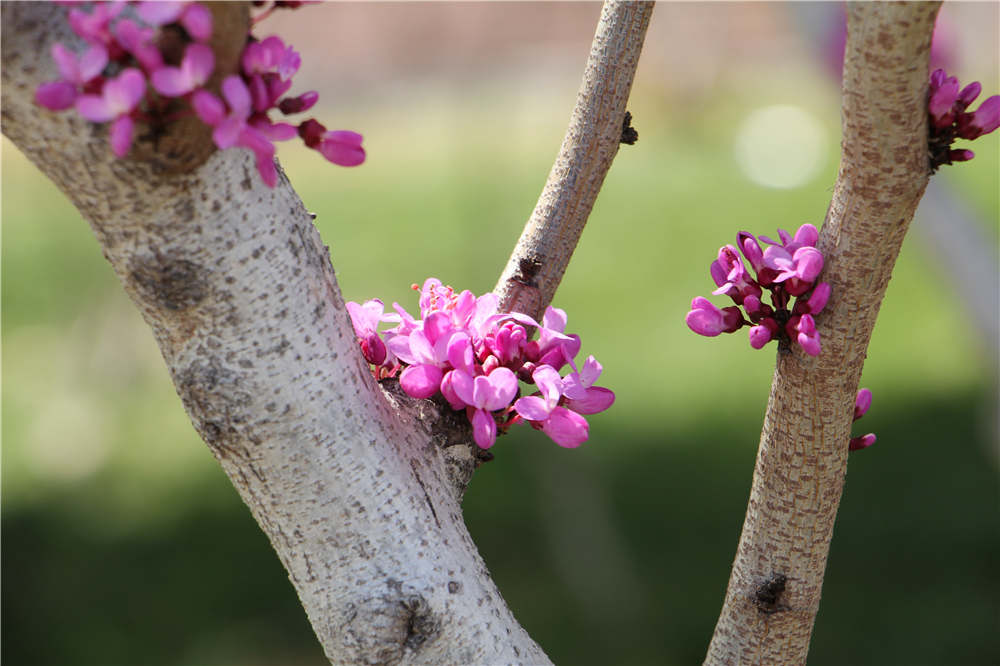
point(124, 543)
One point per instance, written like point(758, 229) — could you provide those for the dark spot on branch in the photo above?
point(768, 594)
point(629, 133)
point(169, 282)
point(422, 624)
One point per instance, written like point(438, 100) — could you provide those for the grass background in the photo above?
point(124, 543)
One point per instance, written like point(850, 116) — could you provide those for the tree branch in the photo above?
point(350, 484)
point(539, 260)
point(777, 576)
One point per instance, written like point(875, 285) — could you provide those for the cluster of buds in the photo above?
point(787, 268)
point(139, 62)
point(475, 357)
point(861, 404)
point(949, 120)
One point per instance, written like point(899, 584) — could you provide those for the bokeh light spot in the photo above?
point(780, 146)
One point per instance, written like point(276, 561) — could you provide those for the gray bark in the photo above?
point(357, 489)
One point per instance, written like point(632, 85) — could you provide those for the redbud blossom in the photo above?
point(787, 268)
point(121, 45)
point(862, 402)
point(948, 118)
point(863, 442)
point(473, 355)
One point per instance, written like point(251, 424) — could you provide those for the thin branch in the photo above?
point(595, 131)
point(777, 576)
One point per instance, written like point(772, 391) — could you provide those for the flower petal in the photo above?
point(121, 135)
point(533, 408)
point(484, 429)
point(421, 381)
point(566, 428)
point(597, 399)
point(56, 95)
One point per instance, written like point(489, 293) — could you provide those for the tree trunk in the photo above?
point(357, 489)
point(777, 576)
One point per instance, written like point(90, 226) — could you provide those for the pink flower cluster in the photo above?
point(861, 404)
point(788, 267)
point(475, 357)
point(133, 70)
point(949, 120)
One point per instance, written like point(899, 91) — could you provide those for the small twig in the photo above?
point(596, 129)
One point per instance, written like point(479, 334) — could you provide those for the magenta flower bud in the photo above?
point(969, 94)
point(808, 263)
point(751, 250)
point(373, 349)
point(490, 364)
point(808, 336)
point(704, 318)
point(303, 102)
point(718, 273)
point(942, 100)
point(807, 235)
point(961, 155)
point(760, 335)
point(421, 381)
point(985, 119)
point(817, 301)
point(862, 402)
point(937, 78)
point(732, 319)
point(448, 391)
point(752, 305)
point(858, 443)
point(56, 95)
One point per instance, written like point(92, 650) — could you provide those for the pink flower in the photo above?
point(731, 275)
point(816, 301)
point(56, 95)
point(949, 118)
point(806, 235)
point(983, 121)
point(196, 67)
point(232, 129)
point(196, 18)
point(93, 27)
point(862, 403)
point(761, 334)
point(565, 427)
point(59, 95)
point(708, 320)
point(342, 147)
point(484, 395)
point(82, 71)
point(303, 102)
point(117, 100)
point(271, 56)
point(581, 395)
point(942, 98)
point(430, 350)
point(539, 407)
point(555, 348)
point(366, 319)
point(808, 336)
point(751, 250)
point(858, 443)
point(139, 42)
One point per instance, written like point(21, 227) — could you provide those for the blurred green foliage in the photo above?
point(123, 542)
